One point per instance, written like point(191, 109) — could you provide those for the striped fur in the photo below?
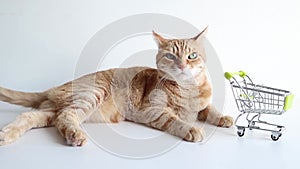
point(169, 98)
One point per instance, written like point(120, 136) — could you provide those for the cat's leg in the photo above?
point(213, 116)
point(68, 124)
point(167, 121)
point(23, 123)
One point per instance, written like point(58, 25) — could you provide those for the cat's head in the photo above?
point(182, 59)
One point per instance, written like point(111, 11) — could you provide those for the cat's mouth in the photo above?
point(185, 75)
point(182, 75)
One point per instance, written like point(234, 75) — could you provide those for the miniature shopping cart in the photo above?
point(253, 100)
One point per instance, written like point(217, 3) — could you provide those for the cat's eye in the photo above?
point(170, 56)
point(193, 56)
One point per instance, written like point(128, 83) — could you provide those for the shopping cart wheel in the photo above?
point(241, 132)
point(252, 124)
point(275, 136)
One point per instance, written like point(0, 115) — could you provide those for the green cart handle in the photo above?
point(229, 75)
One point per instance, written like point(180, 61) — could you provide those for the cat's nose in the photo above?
point(181, 67)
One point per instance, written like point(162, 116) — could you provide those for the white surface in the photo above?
point(40, 42)
point(45, 148)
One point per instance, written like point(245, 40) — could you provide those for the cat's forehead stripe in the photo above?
point(179, 47)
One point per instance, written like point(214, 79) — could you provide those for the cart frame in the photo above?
point(253, 100)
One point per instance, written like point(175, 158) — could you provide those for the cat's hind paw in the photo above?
point(6, 138)
point(2, 138)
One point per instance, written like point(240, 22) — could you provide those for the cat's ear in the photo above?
point(201, 35)
point(159, 39)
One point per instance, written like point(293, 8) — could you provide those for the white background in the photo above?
point(41, 41)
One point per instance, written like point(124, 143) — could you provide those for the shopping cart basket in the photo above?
point(253, 100)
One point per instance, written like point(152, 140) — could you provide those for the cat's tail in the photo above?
point(32, 100)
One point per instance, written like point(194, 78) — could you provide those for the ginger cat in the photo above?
point(169, 98)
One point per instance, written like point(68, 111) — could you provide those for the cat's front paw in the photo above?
point(225, 121)
point(75, 137)
point(195, 134)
